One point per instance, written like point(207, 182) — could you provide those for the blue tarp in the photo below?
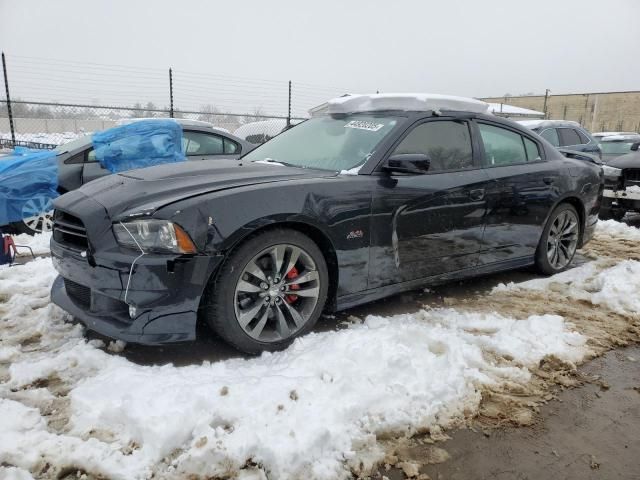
point(139, 144)
point(28, 182)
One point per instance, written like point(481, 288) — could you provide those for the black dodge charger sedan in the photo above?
point(381, 194)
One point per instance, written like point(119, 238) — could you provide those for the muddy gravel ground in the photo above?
point(591, 432)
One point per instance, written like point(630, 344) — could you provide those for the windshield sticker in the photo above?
point(362, 125)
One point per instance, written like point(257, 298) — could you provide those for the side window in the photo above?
point(583, 138)
point(199, 143)
point(91, 156)
point(551, 136)
point(231, 147)
point(446, 143)
point(77, 158)
point(568, 137)
point(533, 153)
point(502, 146)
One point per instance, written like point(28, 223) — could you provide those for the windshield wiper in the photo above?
point(280, 162)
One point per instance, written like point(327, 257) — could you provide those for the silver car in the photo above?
point(77, 165)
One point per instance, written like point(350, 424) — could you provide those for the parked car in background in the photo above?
point(566, 134)
point(614, 146)
point(261, 131)
point(77, 165)
point(385, 193)
point(622, 184)
point(599, 135)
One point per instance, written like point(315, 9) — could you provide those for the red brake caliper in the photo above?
point(293, 273)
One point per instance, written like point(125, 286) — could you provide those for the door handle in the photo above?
point(548, 180)
point(476, 194)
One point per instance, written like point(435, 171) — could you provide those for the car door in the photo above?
point(427, 224)
point(198, 145)
point(523, 189)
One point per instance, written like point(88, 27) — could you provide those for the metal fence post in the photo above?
point(289, 113)
point(6, 89)
point(170, 93)
point(544, 108)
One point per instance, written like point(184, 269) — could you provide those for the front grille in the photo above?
point(78, 293)
point(631, 176)
point(69, 230)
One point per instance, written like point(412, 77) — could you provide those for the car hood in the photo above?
point(146, 190)
point(629, 160)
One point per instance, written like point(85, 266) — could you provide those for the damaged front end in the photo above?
point(139, 281)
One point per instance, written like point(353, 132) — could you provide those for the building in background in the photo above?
point(600, 111)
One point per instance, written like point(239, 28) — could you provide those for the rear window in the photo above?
point(568, 137)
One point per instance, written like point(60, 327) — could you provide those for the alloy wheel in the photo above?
point(562, 240)
point(277, 293)
point(37, 214)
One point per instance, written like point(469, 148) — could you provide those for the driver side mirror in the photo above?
point(635, 146)
point(415, 163)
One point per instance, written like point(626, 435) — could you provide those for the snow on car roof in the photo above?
point(420, 102)
point(185, 122)
point(612, 134)
point(270, 128)
point(531, 124)
point(513, 110)
point(630, 137)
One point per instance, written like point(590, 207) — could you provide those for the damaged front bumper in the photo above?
point(628, 199)
point(159, 306)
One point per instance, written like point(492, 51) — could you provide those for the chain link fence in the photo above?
point(47, 125)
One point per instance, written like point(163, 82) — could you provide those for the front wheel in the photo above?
point(559, 240)
point(269, 291)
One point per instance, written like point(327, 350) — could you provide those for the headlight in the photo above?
point(153, 235)
point(611, 171)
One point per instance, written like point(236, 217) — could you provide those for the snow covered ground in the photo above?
point(315, 410)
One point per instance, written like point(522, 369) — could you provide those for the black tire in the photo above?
point(609, 214)
point(219, 306)
point(542, 262)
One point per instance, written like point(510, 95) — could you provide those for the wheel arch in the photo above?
point(578, 204)
point(317, 235)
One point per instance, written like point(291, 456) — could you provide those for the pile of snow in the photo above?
point(306, 412)
point(614, 287)
point(609, 229)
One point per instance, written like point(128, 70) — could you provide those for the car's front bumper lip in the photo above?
point(621, 194)
point(169, 328)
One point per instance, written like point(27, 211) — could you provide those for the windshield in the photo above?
point(73, 144)
point(617, 148)
point(327, 143)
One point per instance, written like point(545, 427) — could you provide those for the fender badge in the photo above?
point(355, 234)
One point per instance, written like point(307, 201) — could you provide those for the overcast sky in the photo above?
point(464, 47)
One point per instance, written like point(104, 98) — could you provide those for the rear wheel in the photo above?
point(559, 240)
point(270, 290)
